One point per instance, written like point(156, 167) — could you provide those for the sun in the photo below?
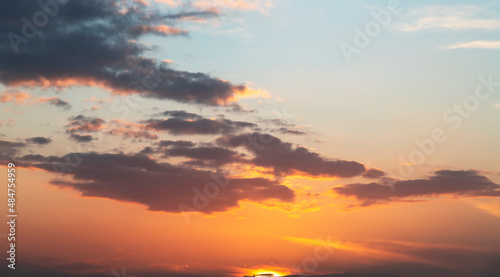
point(266, 273)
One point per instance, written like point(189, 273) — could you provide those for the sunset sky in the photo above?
point(240, 137)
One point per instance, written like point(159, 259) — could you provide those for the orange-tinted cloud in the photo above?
point(9, 122)
point(23, 98)
point(130, 130)
point(81, 123)
point(159, 30)
point(55, 101)
point(14, 95)
point(113, 56)
point(262, 6)
point(159, 186)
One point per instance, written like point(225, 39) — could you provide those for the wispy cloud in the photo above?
point(55, 101)
point(14, 95)
point(462, 17)
point(23, 98)
point(488, 206)
point(478, 44)
point(262, 6)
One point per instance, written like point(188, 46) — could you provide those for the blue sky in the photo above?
point(429, 72)
point(393, 92)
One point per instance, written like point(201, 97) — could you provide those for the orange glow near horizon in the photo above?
point(231, 138)
point(275, 271)
point(249, 232)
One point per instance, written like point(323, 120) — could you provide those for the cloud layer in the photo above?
point(159, 186)
point(183, 123)
point(443, 182)
point(95, 43)
point(285, 158)
point(459, 17)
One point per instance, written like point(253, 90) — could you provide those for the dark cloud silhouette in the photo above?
point(38, 158)
point(9, 149)
point(181, 114)
point(131, 130)
point(96, 43)
point(159, 186)
point(133, 134)
point(56, 101)
point(285, 158)
point(373, 173)
point(6, 144)
point(77, 269)
point(277, 121)
point(183, 123)
point(39, 140)
point(235, 108)
point(216, 155)
point(288, 131)
point(163, 146)
point(444, 182)
point(474, 266)
point(176, 143)
point(347, 275)
point(147, 150)
point(85, 124)
point(81, 138)
point(157, 30)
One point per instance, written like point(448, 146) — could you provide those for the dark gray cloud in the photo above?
point(238, 109)
point(206, 156)
point(277, 121)
point(81, 138)
point(159, 186)
point(288, 131)
point(183, 123)
point(163, 146)
point(97, 43)
point(39, 140)
point(285, 158)
point(7, 144)
point(133, 131)
point(181, 114)
point(283, 126)
point(373, 173)
point(38, 158)
point(84, 124)
point(215, 155)
point(58, 102)
point(9, 149)
point(444, 182)
point(148, 150)
point(176, 143)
